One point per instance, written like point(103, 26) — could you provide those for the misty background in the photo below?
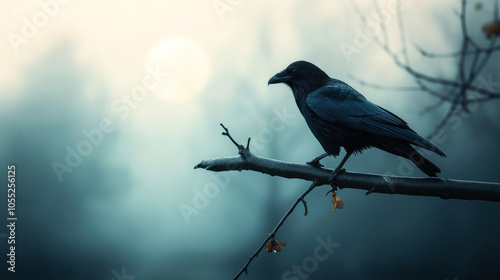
point(120, 211)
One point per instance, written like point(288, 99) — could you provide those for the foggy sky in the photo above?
point(118, 209)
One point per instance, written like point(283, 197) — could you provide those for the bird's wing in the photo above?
point(339, 103)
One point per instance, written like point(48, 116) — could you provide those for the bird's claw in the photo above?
point(334, 175)
point(315, 163)
point(333, 189)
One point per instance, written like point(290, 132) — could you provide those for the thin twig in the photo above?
point(443, 188)
point(382, 23)
point(313, 185)
point(428, 54)
point(305, 207)
point(486, 58)
point(226, 133)
point(432, 107)
point(444, 121)
point(465, 44)
point(382, 87)
point(459, 89)
point(402, 33)
point(243, 151)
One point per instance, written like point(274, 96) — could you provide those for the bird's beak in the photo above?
point(279, 78)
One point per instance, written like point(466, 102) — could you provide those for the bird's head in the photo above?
point(301, 74)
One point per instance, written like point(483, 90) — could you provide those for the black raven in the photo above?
point(339, 116)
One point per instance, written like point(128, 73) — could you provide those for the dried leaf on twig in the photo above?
point(337, 202)
point(272, 245)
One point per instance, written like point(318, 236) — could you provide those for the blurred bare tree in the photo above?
point(459, 93)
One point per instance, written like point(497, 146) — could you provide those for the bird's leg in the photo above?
point(315, 161)
point(338, 170)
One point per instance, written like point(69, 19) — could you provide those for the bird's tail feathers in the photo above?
point(407, 151)
point(421, 142)
point(429, 168)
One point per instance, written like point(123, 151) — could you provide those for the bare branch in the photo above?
point(421, 87)
point(273, 233)
point(443, 188)
point(432, 107)
point(453, 109)
point(226, 133)
point(465, 43)
point(471, 60)
point(383, 87)
point(402, 34)
point(372, 183)
point(428, 54)
point(485, 59)
point(382, 23)
point(305, 207)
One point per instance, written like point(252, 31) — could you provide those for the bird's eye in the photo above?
point(294, 70)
